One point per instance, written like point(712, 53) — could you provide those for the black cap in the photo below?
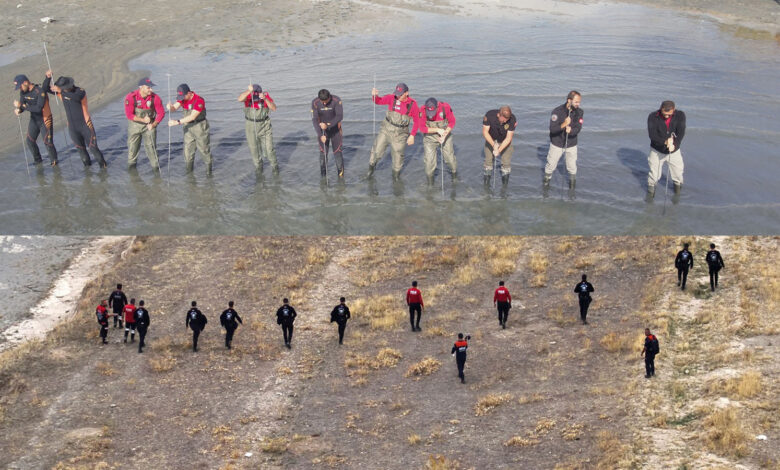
point(400, 89)
point(430, 107)
point(19, 79)
point(145, 82)
point(181, 92)
point(257, 88)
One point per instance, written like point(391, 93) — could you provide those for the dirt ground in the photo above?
point(547, 392)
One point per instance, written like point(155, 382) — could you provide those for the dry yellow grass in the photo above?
point(519, 441)
point(240, 264)
point(544, 426)
point(274, 445)
point(585, 261)
point(465, 275)
point(388, 357)
point(748, 385)
point(538, 263)
point(539, 280)
point(564, 247)
point(614, 453)
point(440, 462)
point(556, 315)
point(163, 363)
point(490, 402)
point(316, 256)
point(413, 439)
point(724, 434)
point(427, 366)
point(572, 432)
point(383, 312)
point(502, 267)
point(620, 343)
point(105, 368)
point(533, 398)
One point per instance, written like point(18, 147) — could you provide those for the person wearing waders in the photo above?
point(649, 351)
point(101, 312)
point(415, 302)
point(129, 314)
point(80, 127)
point(327, 113)
point(459, 351)
point(257, 124)
point(117, 301)
point(197, 322)
point(402, 113)
point(340, 315)
point(683, 262)
point(436, 122)
point(33, 99)
point(144, 112)
point(502, 301)
point(715, 263)
point(194, 124)
point(229, 321)
point(666, 128)
point(498, 128)
point(285, 316)
point(565, 125)
point(142, 322)
point(583, 290)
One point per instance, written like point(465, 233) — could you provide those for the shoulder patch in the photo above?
point(554, 117)
point(127, 102)
point(580, 120)
point(339, 102)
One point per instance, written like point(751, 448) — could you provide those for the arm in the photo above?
point(85, 108)
point(36, 105)
point(348, 314)
point(590, 288)
point(450, 118)
point(486, 133)
point(720, 261)
point(679, 130)
point(414, 112)
point(387, 99)
point(576, 124)
point(239, 318)
point(339, 113)
point(269, 101)
point(657, 138)
point(159, 111)
point(558, 125)
point(506, 141)
point(315, 117)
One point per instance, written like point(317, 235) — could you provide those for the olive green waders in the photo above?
point(196, 135)
point(431, 144)
point(393, 132)
point(259, 137)
point(137, 131)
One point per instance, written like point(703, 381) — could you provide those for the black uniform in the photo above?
point(583, 289)
point(558, 135)
point(651, 349)
point(229, 320)
point(41, 120)
point(331, 114)
point(340, 314)
point(117, 301)
point(683, 262)
point(197, 321)
point(81, 132)
point(459, 349)
point(285, 316)
point(142, 322)
point(715, 263)
point(497, 130)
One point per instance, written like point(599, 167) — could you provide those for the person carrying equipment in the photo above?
point(257, 124)
point(402, 111)
point(459, 351)
point(101, 312)
point(583, 289)
point(436, 122)
point(650, 349)
point(117, 301)
point(502, 301)
point(340, 315)
point(327, 113)
point(415, 302)
point(144, 112)
point(33, 98)
point(194, 124)
point(129, 314)
point(666, 128)
point(142, 321)
point(498, 128)
point(565, 125)
point(715, 263)
point(683, 262)
point(197, 322)
point(229, 321)
point(285, 316)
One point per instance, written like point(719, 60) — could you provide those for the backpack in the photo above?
point(712, 257)
point(654, 346)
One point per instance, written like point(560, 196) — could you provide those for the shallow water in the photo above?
point(624, 60)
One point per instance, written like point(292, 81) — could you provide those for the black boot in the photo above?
point(505, 179)
point(371, 168)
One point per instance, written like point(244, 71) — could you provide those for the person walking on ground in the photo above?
point(197, 322)
point(402, 112)
point(80, 127)
point(194, 124)
point(257, 124)
point(498, 128)
point(583, 290)
point(144, 112)
point(327, 113)
point(415, 302)
point(102, 318)
point(129, 314)
point(459, 351)
point(649, 351)
point(666, 128)
point(33, 99)
point(117, 301)
point(683, 262)
point(436, 122)
point(142, 321)
point(285, 316)
point(229, 321)
point(715, 263)
point(502, 301)
point(565, 125)
point(340, 315)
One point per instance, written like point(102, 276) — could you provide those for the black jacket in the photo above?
point(340, 314)
point(286, 315)
point(558, 135)
point(584, 289)
point(142, 319)
point(684, 259)
point(656, 129)
point(230, 319)
point(117, 301)
point(195, 319)
point(714, 261)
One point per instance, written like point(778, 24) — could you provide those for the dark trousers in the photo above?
point(37, 126)
point(84, 137)
point(287, 330)
point(342, 327)
point(415, 308)
point(229, 335)
point(117, 319)
point(335, 140)
point(714, 278)
point(650, 364)
point(584, 304)
point(503, 312)
point(195, 334)
point(130, 328)
point(104, 331)
point(682, 276)
point(461, 361)
point(141, 335)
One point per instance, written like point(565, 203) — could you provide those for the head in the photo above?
point(132, 300)
point(431, 105)
point(500, 283)
point(230, 304)
point(712, 246)
point(342, 300)
point(145, 85)
point(401, 91)
point(183, 92)
point(647, 332)
point(257, 92)
point(104, 302)
point(140, 303)
point(504, 114)
point(685, 246)
point(584, 277)
point(460, 335)
point(573, 99)
point(324, 96)
point(667, 109)
point(194, 304)
point(21, 82)
point(119, 287)
point(65, 84)
point(414, 283)
point(285, 301)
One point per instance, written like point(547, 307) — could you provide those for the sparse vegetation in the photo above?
point(490, 402)
point(520, 441)
point(427, 366)
point(724, 433)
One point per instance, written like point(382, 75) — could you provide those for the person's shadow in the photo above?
point(287, 145)
point(636, 161)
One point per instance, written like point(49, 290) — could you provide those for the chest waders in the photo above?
point(393, 132)
point(137, 131)
point(196, 135)
point(259, 137)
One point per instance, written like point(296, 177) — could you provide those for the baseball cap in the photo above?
point(65, 83)
point(430, 107)
point(257, 88)
point(19, 79)
point(181, 91)
point(400, 89)
point(145, 82)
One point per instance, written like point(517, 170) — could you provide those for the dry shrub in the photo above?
point(450, 255)
point(543, 426)
point(502, 267)
point(556, 315)
point(519, 441)
point(490, 402)
point(316, 256)
point(571, 464)
point(572, 432)
point(747, 385)
point(465, 275)
point(440, 462)
point(427, 366)
point(617, 343)
point(388, 357)
point(501, 247)
point(540, 280)
point(381, 311)
point(274, 445)
point(164, 363)
point(413, 439)
point(240, 264)
point(105, 368)
point(436, 330)
point(385, 358)
point(525, 399)
point(585, 261)
point(538, 263)
point(564, 247)
point(724, 434)
point(614, 453)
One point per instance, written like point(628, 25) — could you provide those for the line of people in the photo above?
point(403, 120)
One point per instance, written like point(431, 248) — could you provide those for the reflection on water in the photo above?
point(622, 69)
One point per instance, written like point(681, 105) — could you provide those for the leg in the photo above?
point(419, 314)
point(679, 276)
point(141, 338)
point(48, 138)
point(189, 149)
point(195, 334)
point(506, 160)
point(77, 136)
point(571, 161)
point(93, 146)
point(134, 135)
point(553, 155)
point(378, 149)
point(488, 150)
point(150, 147)
point(716, 277)
point(655, 162)
point(430, 157)
point(648, 366)
point(132, 332)
point(342, 327)
point(290, 335)
point(228, 337)
point(411, 316)
point(713, 274)
point(127, 330)
point(104, 332)
point(203, 142)
point(684, 277)
point(676, 167)
point(253, 142)
point(448, 153)
point(652, 365)
point(33, 131)
point(397, 151)
point(267, 145)
point(336, 141)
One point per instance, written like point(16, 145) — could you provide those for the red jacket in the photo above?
point(414, 296)
point(129, 311)
point(502, 295)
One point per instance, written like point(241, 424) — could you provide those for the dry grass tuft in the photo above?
point(163, 363)
point(540, 280)
point(502, 267)
point(274, 445)
point(556, 315)
point(724, 434)
point(427, 366)
point(538, 263)
point(316, 256)
point(105, 368)
point(544, 426)
point(748, 385)
point(519, 441)
point(440, 462)
point(490, 402)
point(413, 439)
point(525, 399)
point(240, 264)
point(614, 453)
point(572, 432)
point(465, 275)
point(620, 343)
point(383, 312)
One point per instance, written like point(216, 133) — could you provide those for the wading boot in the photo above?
point(676, 195)
point(486, 180)
point(650, 194)
point(572, 182)
point(190, 166)
point(396, 176)
point(430, 181)
point(454, 176)
point(546, 180)
point(371, 168)
point(505, 179)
